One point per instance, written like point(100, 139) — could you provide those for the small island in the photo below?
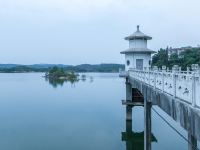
point(57, 73)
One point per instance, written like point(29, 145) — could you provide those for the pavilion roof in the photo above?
point(138, 35)
point(138, 50)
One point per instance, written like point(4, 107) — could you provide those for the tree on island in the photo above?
point(59, 73)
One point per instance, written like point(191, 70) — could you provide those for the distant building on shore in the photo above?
point(178, 51)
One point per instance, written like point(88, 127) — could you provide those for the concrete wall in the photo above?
point(132, 57)
point(197, 91)
point(138, 43)
point(129, 57)
point(146, 58)
point(180, 111)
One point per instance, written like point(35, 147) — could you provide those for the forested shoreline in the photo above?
point(162, 58)
point(15, 68)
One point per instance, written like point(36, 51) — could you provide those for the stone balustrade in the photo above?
point(184, 85)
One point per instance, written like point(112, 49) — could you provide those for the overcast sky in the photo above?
point(91, 31)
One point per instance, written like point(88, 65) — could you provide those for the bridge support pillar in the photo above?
point(147, 125)
point(129, 126)
point(129, 113)
point(192, 142)
point(128, 90)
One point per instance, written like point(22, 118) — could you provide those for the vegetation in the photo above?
point(57, 76)
point(55, 82)
point(14, 68)
point(21, 69)
point(185, 59)
point(59, 73)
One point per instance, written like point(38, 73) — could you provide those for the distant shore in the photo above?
point(15, 68)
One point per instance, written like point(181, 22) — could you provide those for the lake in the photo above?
point(88, 115)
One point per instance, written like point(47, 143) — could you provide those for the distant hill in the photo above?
point(33, 66)
point(99, 67)
point(11, 68)
point(47, 65)
point(8, 65)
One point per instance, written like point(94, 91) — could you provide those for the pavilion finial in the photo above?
point(138, 28)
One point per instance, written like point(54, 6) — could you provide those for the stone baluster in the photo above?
point(199, 71)
point(163, 73)
point(149, 77)
point(155, 70)
point(188, 70)
point(167, 69)
point(174, 71)
point(195, 68)
point(179, 69)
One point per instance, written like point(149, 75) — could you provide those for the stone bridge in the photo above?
point(176, 92)
point(180, 85)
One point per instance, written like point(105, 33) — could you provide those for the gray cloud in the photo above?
point(91, 31)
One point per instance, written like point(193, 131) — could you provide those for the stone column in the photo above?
point(128, 90)
point(192, 145)
point(128, 126)
point(128, 113)
point(192, 141)
point(129, 132)
point(147, 125)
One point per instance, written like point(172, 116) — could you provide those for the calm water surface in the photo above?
point(88, 115)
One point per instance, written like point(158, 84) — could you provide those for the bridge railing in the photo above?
point(184, 85)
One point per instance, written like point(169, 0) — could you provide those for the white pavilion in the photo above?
point(138, 56)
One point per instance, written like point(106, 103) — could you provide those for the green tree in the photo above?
point(184, 59)
point(161, 58)
point(189, 57)
point(174, 60)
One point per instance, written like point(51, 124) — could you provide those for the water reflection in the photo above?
point(135, 140)
point(58, 82)
point(91, 79)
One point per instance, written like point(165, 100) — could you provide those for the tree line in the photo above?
point(78, 68)
point(184, 59)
